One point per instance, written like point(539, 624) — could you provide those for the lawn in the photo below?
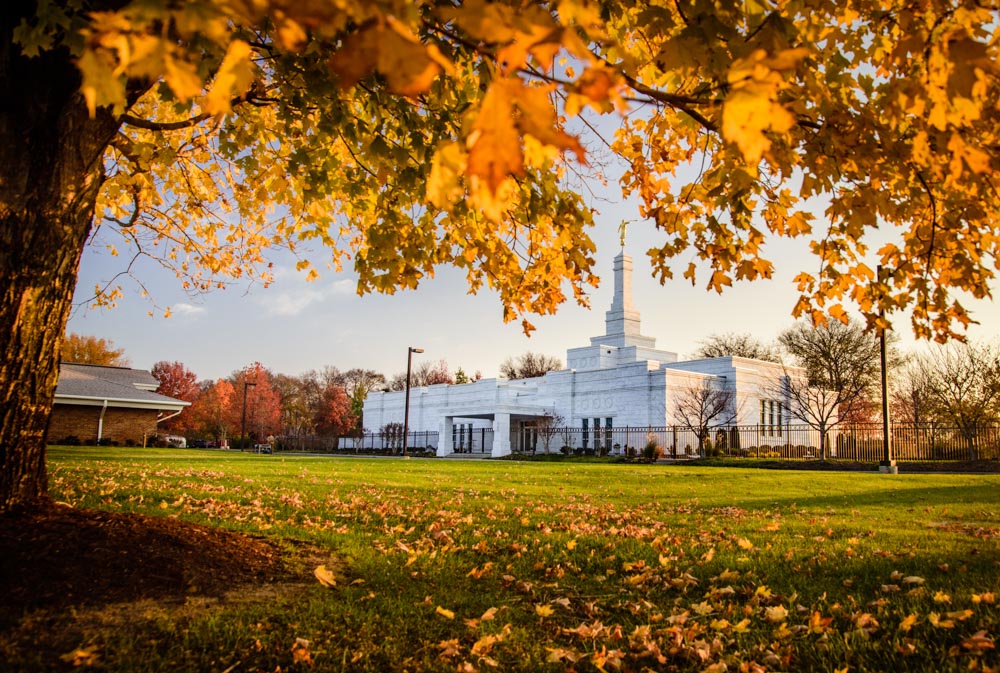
point(508, 566)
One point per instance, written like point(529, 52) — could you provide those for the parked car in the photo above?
point(262, 448)
point(176, 441)
point(198, 443)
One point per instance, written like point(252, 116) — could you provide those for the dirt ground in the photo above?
point(59, 557)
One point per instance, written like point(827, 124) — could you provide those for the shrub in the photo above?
point(565, 450)
point(652, 451)
point(70, 440)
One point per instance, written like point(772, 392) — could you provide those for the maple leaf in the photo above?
point(447, 614)
point(978, 643)
point(325, 576)
point(81, 656)
point(908, 623)
point(449, 648)
point(494, 146)
point(300, 652)
point(777, 613)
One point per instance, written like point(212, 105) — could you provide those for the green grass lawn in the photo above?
point(510, 566)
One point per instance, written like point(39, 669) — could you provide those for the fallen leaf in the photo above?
point(300, 652)
point(324, 576)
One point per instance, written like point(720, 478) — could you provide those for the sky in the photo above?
point(293, 326)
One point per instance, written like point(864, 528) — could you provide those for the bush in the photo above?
point(565, 450)
point(107, 441)
point(652, 451)
point(711, 450)
point(69, 440)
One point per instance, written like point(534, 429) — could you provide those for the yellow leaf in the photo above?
point(538, 117)
point(494, 145)
point(489, 614)
point(324, 576)
point(81, 656)
point(300, 652)
point(447, 166)
point(234, 77)
point(908, 623)
point(543, 610)
point(182, 78)
point(447, 614)
point(776, 613)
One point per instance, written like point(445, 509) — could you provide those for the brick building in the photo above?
point(95, 403)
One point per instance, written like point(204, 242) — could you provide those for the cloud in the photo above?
point(187, 309)
point(292, 303)
point(343, 287)
point(287, 303)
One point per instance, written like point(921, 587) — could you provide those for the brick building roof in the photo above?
point(118, 386)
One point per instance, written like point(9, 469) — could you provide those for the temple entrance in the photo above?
point(527, 438)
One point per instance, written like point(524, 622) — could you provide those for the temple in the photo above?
point(621, 380)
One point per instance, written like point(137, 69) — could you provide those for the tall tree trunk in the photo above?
point(50, 171)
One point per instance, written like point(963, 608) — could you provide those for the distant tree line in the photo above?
point(833, 377)
point(327, 402)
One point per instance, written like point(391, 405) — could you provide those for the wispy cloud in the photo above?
point(301, 296)
point(343, 287)
point(187, 309)
point(288, 303)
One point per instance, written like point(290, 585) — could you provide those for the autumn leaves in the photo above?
point(533, 567)
point(445, 137)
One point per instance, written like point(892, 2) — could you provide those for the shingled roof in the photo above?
point(117, 386)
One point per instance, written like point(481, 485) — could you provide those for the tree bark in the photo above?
point(50, 171)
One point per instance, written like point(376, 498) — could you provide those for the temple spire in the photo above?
point(622, 320)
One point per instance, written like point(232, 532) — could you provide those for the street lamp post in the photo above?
point(406, 409)
point(243, 423)
point(888, 462)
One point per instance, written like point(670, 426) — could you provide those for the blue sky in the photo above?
point(293, 326)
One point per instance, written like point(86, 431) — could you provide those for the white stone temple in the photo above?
point(621, 380)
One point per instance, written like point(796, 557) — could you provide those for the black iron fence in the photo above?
point(854, 442)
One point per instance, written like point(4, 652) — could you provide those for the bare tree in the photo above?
point(529, 366)
point(548, 426)
point(840, 363)
point(963, 385)
point(911, 401)
point(423, 374)
point(703, 405)
point(738, 345)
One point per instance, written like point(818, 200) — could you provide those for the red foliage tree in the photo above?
point(211, 413)
point(263, 402)
point(181, 383)
point(335, 416)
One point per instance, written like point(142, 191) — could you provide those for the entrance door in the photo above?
point(529, 437)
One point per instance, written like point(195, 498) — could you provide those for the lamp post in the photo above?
point(406, 410)
point(888, 462)
point(243, 423)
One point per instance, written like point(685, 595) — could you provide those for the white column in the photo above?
point(501, 435)
point(445, 441)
